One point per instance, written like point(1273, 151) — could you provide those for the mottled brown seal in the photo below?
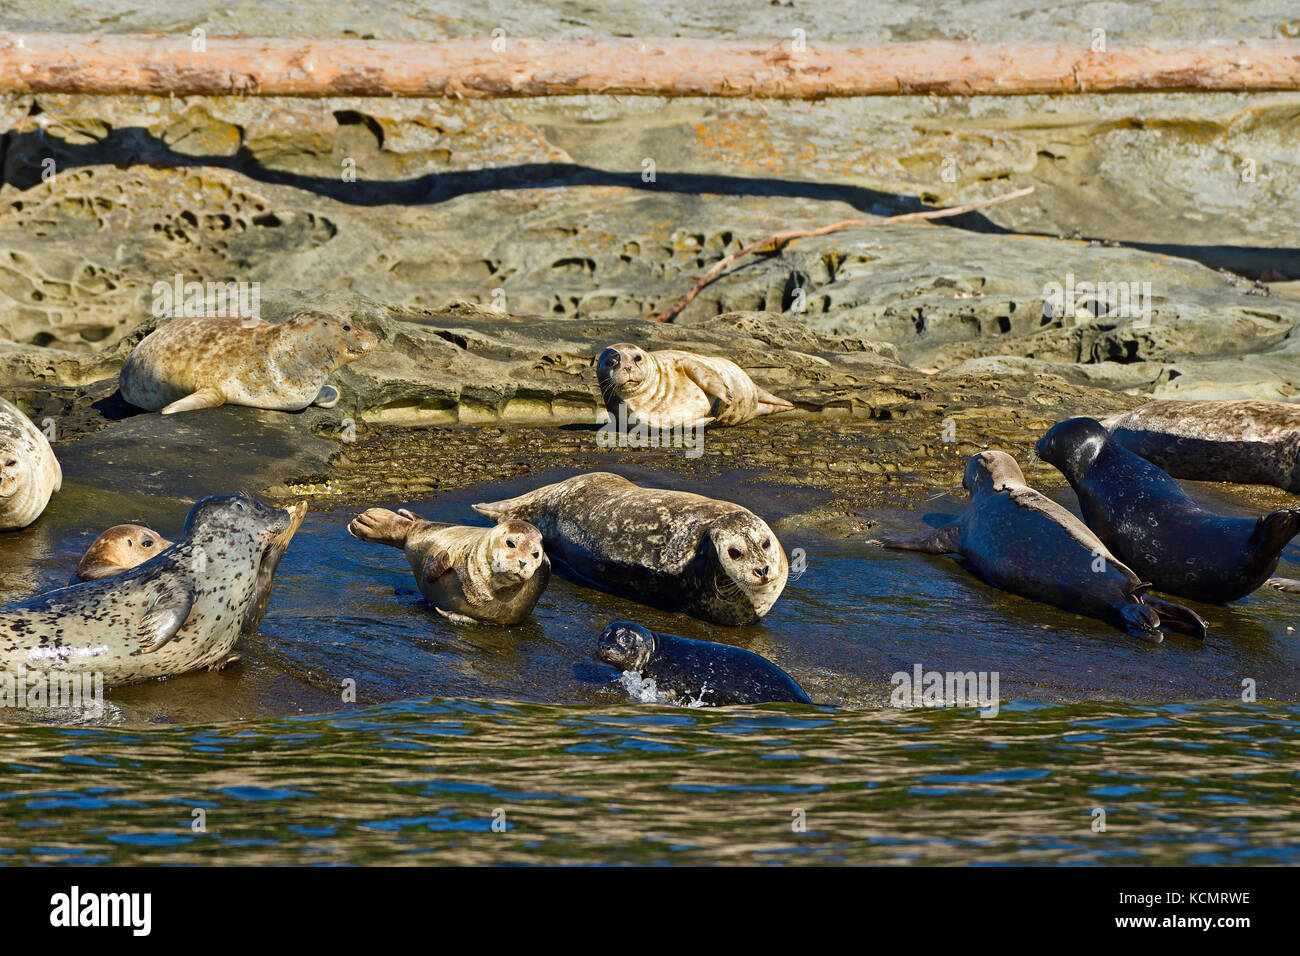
point(711, 559)
point(672, 389)
point(177, 612)
point(1018, 539)
point(488, 575)
point(29, 472)
point(205, 362)
point(1144, 516)
point(120, 548)
point(1246, 441)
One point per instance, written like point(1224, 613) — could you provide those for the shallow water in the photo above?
point(287, 769)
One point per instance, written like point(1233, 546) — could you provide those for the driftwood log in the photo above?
point(504, 66)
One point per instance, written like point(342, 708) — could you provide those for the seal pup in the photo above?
point(711, 559)
point(468, 575)
point(696, 672)
point(672, 389)
point(29, 472)
point(1144, 517)
point(203, 362)
point(120, 548)
point(1246, 441)
point(1018, 539)
point(179, 611)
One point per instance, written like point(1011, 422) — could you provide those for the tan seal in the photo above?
point(119, 549)
point(486, 575)
point(672, 389)
point(204, 362)
point(29, 472)
point(1246, 441)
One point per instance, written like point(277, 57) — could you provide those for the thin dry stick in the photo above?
point(779, 240)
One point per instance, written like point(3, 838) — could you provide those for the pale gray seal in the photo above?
point(672, 389)
point(701, 673)
point(711, 559)
point(1241, 440)
point(177, 612)
point(205, 361)
point(1144, 516)
point(29, 472)
point(489, 575)
point(1018, 539)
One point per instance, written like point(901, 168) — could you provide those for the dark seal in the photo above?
point(698, 672)
point(1144, 517)
point(1018, 539)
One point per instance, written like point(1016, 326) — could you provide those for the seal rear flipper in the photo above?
point(164, 619)
point(1177, 618)
point(942, 541)
point(203, 398)
point(382, 526)
point(778, 403)
point(1286, 585)
point(1141, 621)
point(523, 507)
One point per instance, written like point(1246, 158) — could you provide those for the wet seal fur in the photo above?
point(1245, 441)
point(468, 575)
point(120, 548)
point(672, 389)
point(698, 672)
point(204, 362)
point(1144, 516)
point(1018, 539)
point(29, 472)
point(684, 552)
point(178, 612)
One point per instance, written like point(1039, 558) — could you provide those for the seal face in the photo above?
point(486, 575)
point(203, 362)
point(672, 389)
point(177, 612)
point(119, 549)
point(1246, 441)
point(1018, 539)
point(697, 672)
point(29, 472)
point(711, 559)
point(1144, 516)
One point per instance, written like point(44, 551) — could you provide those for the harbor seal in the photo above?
point(177, 612)
point(120, 548)
point(1246, 441)
point(672, 389)
point(711, 559)
point(696, 672)
point(1018, 539)
point(204, 362)
point(29, 472)
point(468, 575)
point(1144, 517)
point(267, 567)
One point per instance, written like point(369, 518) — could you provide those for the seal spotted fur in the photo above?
point(204, 362)
point(29, 472)
point(1018, 539)
point(670, 389)
point(711, 559)
point(489, 575)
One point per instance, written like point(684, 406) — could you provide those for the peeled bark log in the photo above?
point(172, 65)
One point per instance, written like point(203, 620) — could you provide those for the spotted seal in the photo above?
point(711, 559)
point(671, 389)
point(1144, 517)
point(1246, 441)
point(120, 548)
point(488, 575)
point(1018, 539)
point(204, 362)
point(696, 672)
point(177, 612)
point(29, 472)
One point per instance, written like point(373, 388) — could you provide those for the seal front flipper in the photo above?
point(328, 397)
point(708, 379)
point(382, 526)
point(164, 619)
point(941, 541)
point(1285, 585)
point(456, 618)
point(1175, 617)
point(203, 398)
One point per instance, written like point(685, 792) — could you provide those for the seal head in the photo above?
point(626, 646)
point(750, 556)
point(119, 549)
point(625, 369)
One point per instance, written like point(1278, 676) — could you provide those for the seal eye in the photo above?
point(146, 543)
point(347, 328)
point(637, 359)
point(537, 554)
point(735, 553)
point(767, 543)
point(510, 544)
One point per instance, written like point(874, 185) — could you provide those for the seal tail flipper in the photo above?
point(524, 507)
point(1177, 618)
point(164, 619)
point(1285, 585)
point(203, 398)
point(777, 403)
point(382, 527)
point(941, 541)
